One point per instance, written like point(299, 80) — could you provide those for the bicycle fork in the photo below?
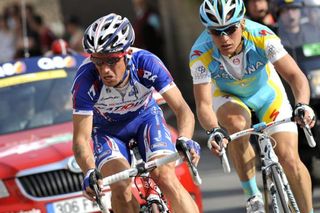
point(269, 159)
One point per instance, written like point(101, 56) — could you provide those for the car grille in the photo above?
point(53, 183)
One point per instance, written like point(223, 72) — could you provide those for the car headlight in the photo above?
point(314, 79)
point(3, 190)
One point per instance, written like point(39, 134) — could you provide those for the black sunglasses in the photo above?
point(224, 31)
point(109, 60)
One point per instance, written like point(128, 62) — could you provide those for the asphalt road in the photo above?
point(221, 192)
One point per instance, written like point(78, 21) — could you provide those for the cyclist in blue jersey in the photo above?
point(113, 103)
point(233, 64)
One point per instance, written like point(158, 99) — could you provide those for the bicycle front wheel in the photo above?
point(280, 190)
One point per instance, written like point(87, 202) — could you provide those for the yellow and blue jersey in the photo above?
point(259, 86)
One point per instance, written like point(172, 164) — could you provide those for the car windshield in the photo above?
point(35, 99)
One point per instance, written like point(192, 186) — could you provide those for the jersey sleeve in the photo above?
point(200, 74)
point(153, 72)
point(84, 91)
point(199, 60)
point(274, 49)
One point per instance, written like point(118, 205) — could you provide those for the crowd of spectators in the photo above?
point(38, 38)
point(286, 18)
point(293, 21)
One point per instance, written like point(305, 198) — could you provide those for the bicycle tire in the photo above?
point(279, 188)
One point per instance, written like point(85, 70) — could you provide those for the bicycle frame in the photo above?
point(271, 170)
point(274, 179)
point(141, 169)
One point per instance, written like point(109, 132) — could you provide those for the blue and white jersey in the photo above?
point(109, 105)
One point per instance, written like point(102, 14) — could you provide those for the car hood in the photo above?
point(33, 148)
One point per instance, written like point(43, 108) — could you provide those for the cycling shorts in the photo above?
point(148, 129)
point(270, 103)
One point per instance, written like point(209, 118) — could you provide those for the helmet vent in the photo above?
point(241, 12)
point(101, 40)
point(89, 40)
point(116, 26)
point(231, 13)
point(212, 18)
point(94, 28)
point(106, 26)
point(124, 30)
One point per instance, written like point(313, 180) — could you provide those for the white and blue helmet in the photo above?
point(221, 13)
point(108, 34)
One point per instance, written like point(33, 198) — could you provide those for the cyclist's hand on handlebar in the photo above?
point(194, 149)
point(92, 179)
point(217, 138)
point(304, 115)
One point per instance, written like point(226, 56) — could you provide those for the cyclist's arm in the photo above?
point(82, 127)
point(203, 99)
point(289, 71)
point(184, 115)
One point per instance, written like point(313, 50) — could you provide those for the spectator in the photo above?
point(258, 11)
point(46, 36)
point(147, 26)
point(59, 47)
point(313, 12)
point(7, 44)
point(292, 33)
point(74, 33)
point(12, 14)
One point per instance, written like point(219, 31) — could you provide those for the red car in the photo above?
point(38, 172)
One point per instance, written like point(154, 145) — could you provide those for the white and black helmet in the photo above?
point(108, 34)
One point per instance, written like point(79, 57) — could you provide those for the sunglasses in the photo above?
point(108, 59)
point(224, 31)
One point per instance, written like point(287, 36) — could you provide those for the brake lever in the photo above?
point(97, 191)
point(307, 129)
point(182, 147)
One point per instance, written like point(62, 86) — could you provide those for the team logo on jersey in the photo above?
point(201, 69)
point(236, 61)
point(98, 148)
point(265, 32)
point(92, 91)
point(158, 145)
point(108, 90)
point(147, 75)
point(271, 50)
point(112, 144)
point(196, 53)
point(274, 114)
point(133, 91)
point(254, 67)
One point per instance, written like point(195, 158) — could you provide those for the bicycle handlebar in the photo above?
point(258, 130)
point(140, 168)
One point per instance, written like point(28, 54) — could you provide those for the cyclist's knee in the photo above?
point(290, 162)
point(163, 175)
point(121, 189)
point(235, 123)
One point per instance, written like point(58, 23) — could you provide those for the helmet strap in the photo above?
point(126, 73)
point(238, 49)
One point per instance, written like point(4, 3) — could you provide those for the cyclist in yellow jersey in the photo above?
point(233, 64)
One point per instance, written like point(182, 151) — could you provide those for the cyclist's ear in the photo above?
point(243, 24)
